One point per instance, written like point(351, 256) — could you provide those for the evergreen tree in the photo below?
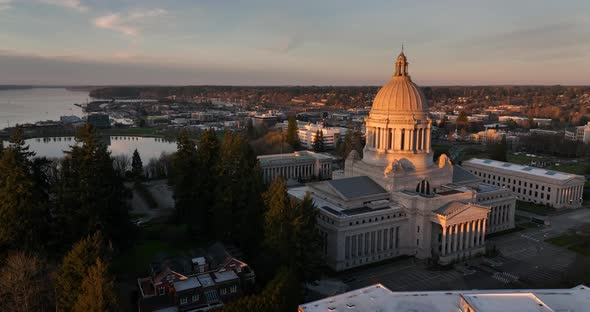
point(74, 269)
point(90, 193)
point(184, 164)
point(208, 155)
point(499, 151)
point(137, 166)
point(318, 142)
point(292, 136)
point(290, 230)
point(282, 293)
point(24, 210)
point(97, 291)
point(238, 204)
point(347, 142)
point(357, 140)
point(462, 121)
point(308, 244)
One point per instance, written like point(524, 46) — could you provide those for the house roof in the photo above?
point(189, 283)
point(355, 187)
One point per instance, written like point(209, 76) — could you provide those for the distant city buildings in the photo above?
point(99, 120)
point(379, 298)
point(548, 187)
point(265, 120)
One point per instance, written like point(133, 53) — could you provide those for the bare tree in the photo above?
point(24, 284)
point(121, 163)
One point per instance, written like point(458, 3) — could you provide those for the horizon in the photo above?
point(263, 43)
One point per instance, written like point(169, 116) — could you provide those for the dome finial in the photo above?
point(401, 64)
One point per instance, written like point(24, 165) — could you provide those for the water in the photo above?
point(147, 148)
point(21, 106)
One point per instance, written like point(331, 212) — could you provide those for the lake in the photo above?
point(148, 148)
point(19, 106)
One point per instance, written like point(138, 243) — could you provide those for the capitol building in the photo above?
point(397, 199)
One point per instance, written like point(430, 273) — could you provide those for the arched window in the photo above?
point(423, 187)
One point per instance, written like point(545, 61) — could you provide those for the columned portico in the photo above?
point(462, 229)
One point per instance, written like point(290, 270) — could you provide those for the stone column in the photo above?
point(479, 227)
point(455, 237)
point(444, 241)
point(428, 139)
point(461, 236)
point(483, 234)
point(469, 234)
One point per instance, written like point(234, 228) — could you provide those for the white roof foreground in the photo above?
point(379, 298)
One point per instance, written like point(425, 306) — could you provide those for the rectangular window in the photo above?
point(183, 300)
point(418, 229)
point(162, 290)
point(233, 289)
point(418, 242)
point(223, 291)
point(195, 298)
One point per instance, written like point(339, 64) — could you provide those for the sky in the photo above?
point(302, 42)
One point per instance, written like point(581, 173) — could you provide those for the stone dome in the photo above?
point(400, 94)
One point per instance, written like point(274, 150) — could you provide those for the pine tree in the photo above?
point(292, 136)
point(90, 192)
point(208, 155)
point(184, 176)
point(97, 291)
point(277, 218)
point(74, 269)
point(24, 210)
point(290, 230)
point(137, 166)
point(348, 146)
point(318, 142)
point(307, 243)
point(238, 204)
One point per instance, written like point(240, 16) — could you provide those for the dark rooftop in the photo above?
point(461, 175)
point(355, 187)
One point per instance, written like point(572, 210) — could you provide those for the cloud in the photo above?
point(70, 4)
point(128, 24)
point(286, 44)
point(5, 4)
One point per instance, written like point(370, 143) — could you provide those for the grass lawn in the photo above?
point(564, 240)
point(578, 168)
point(520, 159)
point(154, 240)
point(578, 243)
point(534, 208)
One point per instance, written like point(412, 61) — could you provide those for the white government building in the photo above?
point(548, 187)
point(301, 166)
point(307, 132)
point(379, 298)
point(397, 200)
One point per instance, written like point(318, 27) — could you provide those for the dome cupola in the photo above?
point(400, 95)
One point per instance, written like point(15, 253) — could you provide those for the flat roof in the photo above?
point(379, 298)
point(506, 166)
point(290, 157)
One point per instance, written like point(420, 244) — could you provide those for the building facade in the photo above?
point(307, 135)
point(300, 166)
point(379, 298)
point(396, 200)
point(537, 185)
